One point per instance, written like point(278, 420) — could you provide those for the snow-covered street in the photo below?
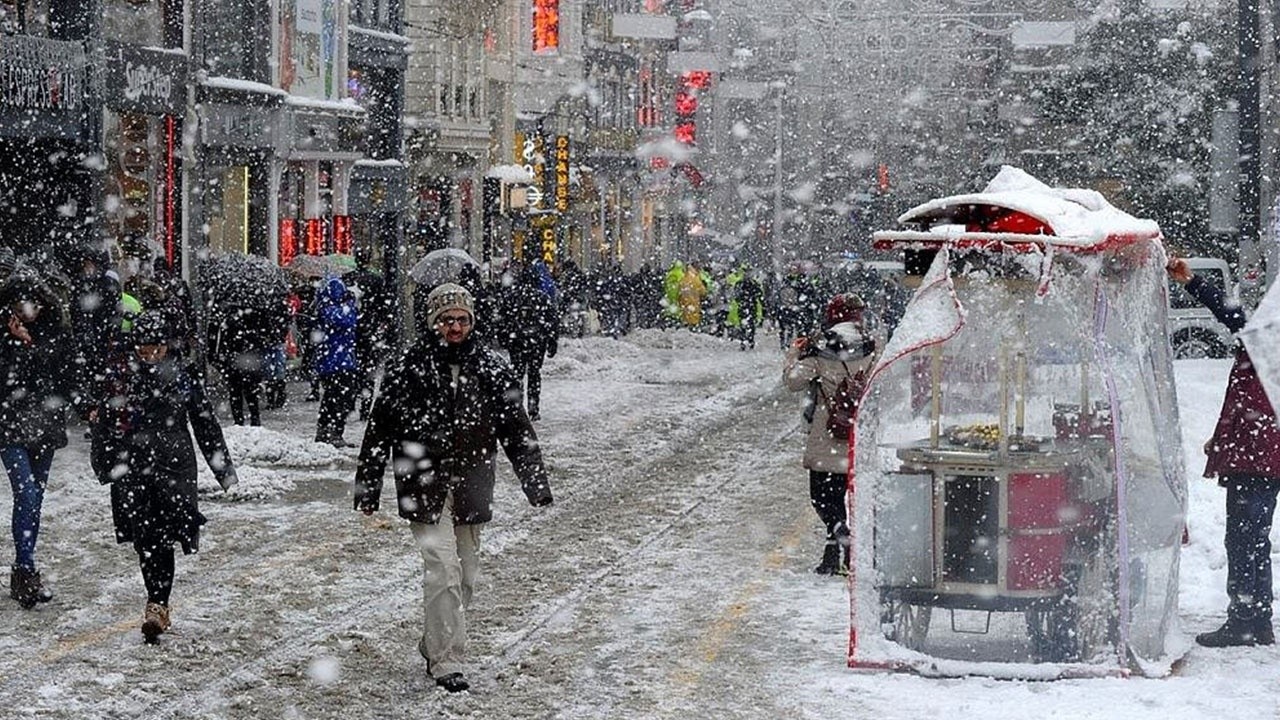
point(670, 579)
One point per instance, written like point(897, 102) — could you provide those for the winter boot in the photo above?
point(26, 588)
point(155, 620)
point(1236, 632)
point(453, 682)
point(830, 564)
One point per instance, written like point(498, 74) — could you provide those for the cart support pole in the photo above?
point(935, 387)
point(1003, 368)
point(1020, 406)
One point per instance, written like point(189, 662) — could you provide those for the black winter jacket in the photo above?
point(442, 434)
point(529, 321)
point(35, 379)
point(141, 444)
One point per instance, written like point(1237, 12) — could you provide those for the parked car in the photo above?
point(1193, 331)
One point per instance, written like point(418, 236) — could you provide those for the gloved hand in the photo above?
point(552, 348)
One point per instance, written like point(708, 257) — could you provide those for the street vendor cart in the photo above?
point(1017, 492)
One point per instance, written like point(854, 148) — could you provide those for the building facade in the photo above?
point(49, 124)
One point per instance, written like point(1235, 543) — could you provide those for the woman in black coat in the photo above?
point(142, 447)
point(34, 391)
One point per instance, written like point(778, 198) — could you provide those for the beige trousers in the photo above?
point(450, 563)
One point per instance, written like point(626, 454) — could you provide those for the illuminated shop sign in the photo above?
point(546, 26)
point(529, 155)
point(562, 173)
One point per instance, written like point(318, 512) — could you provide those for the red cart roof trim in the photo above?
point(1004, 242)
point(1073, 219)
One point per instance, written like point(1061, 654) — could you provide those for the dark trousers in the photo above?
point(242, 389)
point(1251, 503)
point(528, 367)
point(338, 396)
point(826, 494)
point(157, 566)
point(28, 475)
point(368, 378)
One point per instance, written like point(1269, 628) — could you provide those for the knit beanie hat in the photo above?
point(845, 307)
point(150, 329)
point(449, 296)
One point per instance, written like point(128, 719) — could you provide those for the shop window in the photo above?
point(227, 200)
point(140, 183)
point(228, 37)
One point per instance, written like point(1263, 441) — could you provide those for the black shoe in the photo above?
point(25, 587)
point(453, 682)
point(534, 416)
point(830, 564)
point(1237, 633)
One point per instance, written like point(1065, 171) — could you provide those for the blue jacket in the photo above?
point(336, 315)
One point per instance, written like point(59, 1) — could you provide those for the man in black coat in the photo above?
point(530, 333)
point(445, 406)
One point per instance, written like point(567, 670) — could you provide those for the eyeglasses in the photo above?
point(459, 320)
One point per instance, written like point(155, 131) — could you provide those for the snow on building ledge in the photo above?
point(229, 83)
point(380, 34)
point(345, 105)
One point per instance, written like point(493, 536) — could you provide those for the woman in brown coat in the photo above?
point(840, 355)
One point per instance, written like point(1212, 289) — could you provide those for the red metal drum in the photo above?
point(1037, 534)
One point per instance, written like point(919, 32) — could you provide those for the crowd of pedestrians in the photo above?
point(132, 363)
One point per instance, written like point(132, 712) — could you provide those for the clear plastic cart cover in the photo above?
point(1017, 497)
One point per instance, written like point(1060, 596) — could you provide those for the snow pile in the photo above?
point(259, 446)
point(269, 463)
point(255, 483)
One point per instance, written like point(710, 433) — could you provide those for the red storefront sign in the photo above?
point(546, 26)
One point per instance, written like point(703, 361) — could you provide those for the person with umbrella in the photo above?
point(1244, 454)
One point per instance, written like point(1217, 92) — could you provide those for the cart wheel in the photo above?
point(911, 625)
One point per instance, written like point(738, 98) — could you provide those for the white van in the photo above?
point(1193, 331)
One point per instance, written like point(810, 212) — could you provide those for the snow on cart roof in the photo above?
point(1018, 212)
